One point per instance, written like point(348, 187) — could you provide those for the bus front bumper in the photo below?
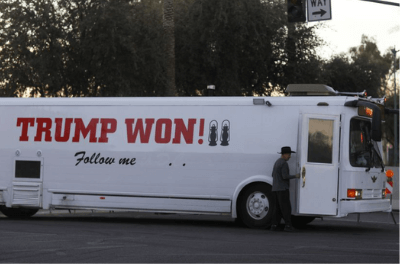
point(365, 206)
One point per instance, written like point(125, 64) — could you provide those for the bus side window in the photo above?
point(27, 169)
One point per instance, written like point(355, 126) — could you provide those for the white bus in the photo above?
point(195, 155)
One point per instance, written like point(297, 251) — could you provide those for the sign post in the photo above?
point(319, 10)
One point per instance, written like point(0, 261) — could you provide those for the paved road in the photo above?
point(87, 237)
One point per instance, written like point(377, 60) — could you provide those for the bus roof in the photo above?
point(176, 101)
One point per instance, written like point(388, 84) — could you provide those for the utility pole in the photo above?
point(396, 143)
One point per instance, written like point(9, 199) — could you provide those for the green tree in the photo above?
point(299, 61)
point(81, 48)
point(240, 47)
point(388, 125)
point(120, 44)
point(364, 68)
point(31, 47)
point(118, 47)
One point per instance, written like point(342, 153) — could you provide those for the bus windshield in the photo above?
point(363, 151)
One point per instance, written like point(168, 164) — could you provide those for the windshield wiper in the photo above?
point(369, 143)
point(376, 150)
point(370, 155)
point(372, 145)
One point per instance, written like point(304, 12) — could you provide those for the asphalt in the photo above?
point(379, 217)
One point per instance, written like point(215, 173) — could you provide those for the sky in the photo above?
point(353, 18)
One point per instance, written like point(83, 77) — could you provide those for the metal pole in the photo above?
point(396, 144)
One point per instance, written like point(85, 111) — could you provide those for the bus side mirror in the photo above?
point(376, 130)
point(391, 111)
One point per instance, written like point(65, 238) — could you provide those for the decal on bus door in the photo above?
point(139, 130)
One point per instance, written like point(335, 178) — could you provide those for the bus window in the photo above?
point(27, 169)
point(320, 141)
point(360, 150)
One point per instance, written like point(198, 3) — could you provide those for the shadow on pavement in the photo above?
point(336, 225)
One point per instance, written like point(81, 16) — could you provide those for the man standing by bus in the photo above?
point(280, 191)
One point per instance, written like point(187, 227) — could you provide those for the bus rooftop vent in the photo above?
point(309, 90)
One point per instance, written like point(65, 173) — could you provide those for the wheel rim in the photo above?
point(257, 205)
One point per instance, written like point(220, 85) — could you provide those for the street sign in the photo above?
point(319, 10)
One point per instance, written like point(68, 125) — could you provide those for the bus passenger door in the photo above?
point(318, 162)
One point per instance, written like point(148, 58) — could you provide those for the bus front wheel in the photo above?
point(254, 206)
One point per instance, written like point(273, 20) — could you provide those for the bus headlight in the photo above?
point(354, 194)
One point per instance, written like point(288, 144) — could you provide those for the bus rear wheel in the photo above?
point(18, 213)
point(254, 206)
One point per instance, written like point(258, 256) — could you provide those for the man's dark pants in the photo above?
point(281, 207)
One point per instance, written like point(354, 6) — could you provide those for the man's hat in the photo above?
point(285, 150)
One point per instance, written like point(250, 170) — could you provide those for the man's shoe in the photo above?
point(288, 228)
point(273, 228)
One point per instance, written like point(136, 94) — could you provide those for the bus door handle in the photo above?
point(303, 175)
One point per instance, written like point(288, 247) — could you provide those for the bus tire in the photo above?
point(18, 213)
point(299, 221)
point(254, 206)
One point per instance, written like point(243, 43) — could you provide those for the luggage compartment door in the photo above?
point(27, 183)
